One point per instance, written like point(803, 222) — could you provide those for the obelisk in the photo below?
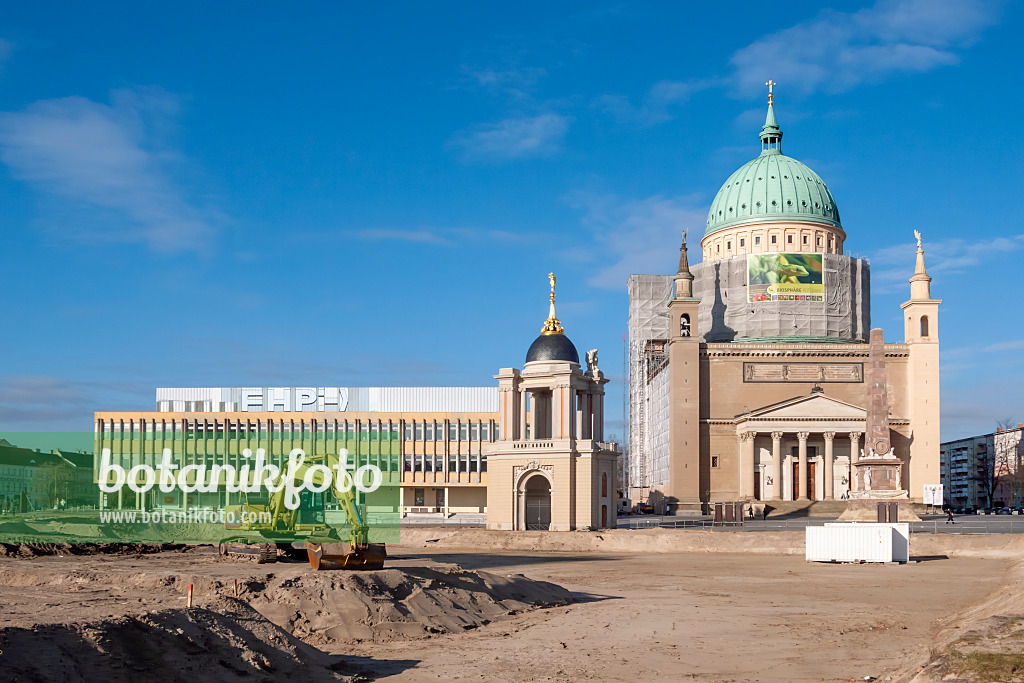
point(878, 473)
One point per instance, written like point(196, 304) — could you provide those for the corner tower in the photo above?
point(550, 468)
point(921, 335)
point(683, 492)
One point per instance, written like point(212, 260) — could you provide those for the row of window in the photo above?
point(789, 240)
point(419, 431)
point(233, 427)
point(435, 463)
point(457, 431)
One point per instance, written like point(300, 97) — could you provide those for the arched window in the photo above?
point(924, 326)
point(604, 484)
point(684, 325)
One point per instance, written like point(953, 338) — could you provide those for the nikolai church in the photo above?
point(751, 375)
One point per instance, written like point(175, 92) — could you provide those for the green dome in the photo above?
point(772, 187)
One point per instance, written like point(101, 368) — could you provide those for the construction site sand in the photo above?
point(75, 617)
point(446, 611)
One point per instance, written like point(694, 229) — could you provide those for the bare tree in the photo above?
point(1007, 473)
point(54, 481)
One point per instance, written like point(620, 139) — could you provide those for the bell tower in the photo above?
point(685, 477)
point(921, 335)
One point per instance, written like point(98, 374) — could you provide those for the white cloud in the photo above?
point(637, 236)
point(517, 82)
point(420, 236)
point(655, 107)
point(108, 157)
point(42, 402)
point(442, 236)
point(514, 138)
point(1014, 345)
point(837, 51)
point(895, 264)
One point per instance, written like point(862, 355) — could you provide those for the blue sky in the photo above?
point(232, 194)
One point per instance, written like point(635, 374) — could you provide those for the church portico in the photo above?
point(785, 455)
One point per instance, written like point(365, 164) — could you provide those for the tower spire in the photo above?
point(684, 263)
point(771, 134)
point(552, 324)
point(920, 282)
point(683, 278)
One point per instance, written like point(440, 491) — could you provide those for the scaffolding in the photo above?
point(646, 355)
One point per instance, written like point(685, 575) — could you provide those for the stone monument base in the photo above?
point(863, 506)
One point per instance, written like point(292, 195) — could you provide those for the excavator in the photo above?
point(323, 545)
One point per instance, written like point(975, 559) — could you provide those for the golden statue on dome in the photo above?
point(552, 324)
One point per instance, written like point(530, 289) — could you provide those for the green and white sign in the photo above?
point(785, 277)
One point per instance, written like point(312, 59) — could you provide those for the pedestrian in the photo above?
point(949, 516)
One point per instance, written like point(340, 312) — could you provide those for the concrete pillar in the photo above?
point(557, 413)
point(578, 407)
point(747, 464)
point(829, 478)
point(854, 458)
point(522, 414)
point(802, 483)
point(776, 466)
point(534, 414)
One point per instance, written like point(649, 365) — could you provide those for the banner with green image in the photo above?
point(785, 277)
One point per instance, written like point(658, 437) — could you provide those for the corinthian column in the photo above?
point(829, 483)
point(854, 458)
point(747, 467)
point(776, 465)
point(802, 483)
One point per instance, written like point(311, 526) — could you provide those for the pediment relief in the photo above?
point(807, 407)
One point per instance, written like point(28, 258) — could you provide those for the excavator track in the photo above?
point(268, 553)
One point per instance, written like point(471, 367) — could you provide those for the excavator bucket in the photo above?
point(326, 556)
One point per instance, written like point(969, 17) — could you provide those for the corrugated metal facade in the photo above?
point(328, 399)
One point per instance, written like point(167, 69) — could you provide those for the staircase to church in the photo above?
point(804, 508)
point(791, 509)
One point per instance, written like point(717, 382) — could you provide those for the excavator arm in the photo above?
point(325, 548)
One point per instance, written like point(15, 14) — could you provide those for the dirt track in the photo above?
point(666, 616)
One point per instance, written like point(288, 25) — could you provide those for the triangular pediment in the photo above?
point(815, 406)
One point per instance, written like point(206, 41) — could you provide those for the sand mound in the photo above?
point(318, 607)
point(985, 633)
point(228, 642)
point(398, 603)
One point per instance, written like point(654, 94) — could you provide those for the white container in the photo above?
point(858, 542)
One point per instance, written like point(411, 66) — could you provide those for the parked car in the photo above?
point(1017, 510)
point(643, 509)
point(1003, 511)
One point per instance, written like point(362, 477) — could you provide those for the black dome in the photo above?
point(552, 347)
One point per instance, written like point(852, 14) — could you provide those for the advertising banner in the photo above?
point(785, 277)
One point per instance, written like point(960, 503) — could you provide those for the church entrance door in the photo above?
point(810, 480)
point(538, 503)
point(796, 481)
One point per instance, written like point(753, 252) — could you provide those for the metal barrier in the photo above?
point(442, 522)
point(938, 526)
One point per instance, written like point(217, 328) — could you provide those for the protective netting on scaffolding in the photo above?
point(648, 332)
point(726, 312)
